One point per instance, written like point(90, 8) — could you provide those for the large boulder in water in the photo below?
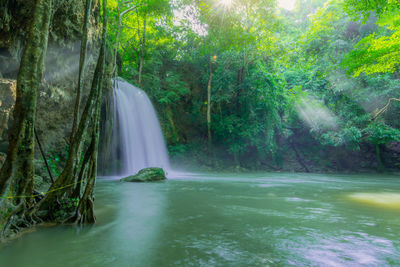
point(146, 175)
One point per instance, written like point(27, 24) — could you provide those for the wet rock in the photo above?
point(147, 175)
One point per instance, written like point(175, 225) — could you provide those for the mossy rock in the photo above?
point(146, 175)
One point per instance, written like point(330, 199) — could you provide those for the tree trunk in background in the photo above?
point(16, 175)
point(82, 59)
point(82, 173)
point(174, 133)
point(209, 105)
point(143, 45)
point(116, 45)
point(85, 210)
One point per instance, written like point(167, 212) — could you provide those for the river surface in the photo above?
point(272, 219)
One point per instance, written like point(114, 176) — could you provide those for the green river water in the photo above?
point(272, 219)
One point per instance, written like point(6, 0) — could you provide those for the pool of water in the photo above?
point(272, 219)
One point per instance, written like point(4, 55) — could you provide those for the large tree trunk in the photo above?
point(16, 175)
point(65, 184)
point(85, 210)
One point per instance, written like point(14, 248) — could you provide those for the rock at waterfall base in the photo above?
point(147, 175)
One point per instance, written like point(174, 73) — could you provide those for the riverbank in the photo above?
point(336, 160)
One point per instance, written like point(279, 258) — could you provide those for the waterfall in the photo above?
point(138, 141)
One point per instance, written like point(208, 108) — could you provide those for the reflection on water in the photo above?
point(227, 220)
point(384, 199)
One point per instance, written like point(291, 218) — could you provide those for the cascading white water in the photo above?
point(137, 131)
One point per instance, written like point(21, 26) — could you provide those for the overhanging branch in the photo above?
point(385, 108)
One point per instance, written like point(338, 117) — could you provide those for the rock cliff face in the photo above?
point(53, 119)
point(7, 100)
point(54, 113)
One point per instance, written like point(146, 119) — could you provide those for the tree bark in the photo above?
point(85, 209)
point(78, 188)
point(63, 185)
point(16, 174)
point(67, 175)
point(85, 206)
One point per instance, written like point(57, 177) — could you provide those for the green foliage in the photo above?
point(54, 160)
point(365, 8)
point(379, 133)
point(278, 77)
point(253, 122)
point(350, 137)
point(379, 51)
point(177, 150)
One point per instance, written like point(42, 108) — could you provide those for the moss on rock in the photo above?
point(147, 175)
